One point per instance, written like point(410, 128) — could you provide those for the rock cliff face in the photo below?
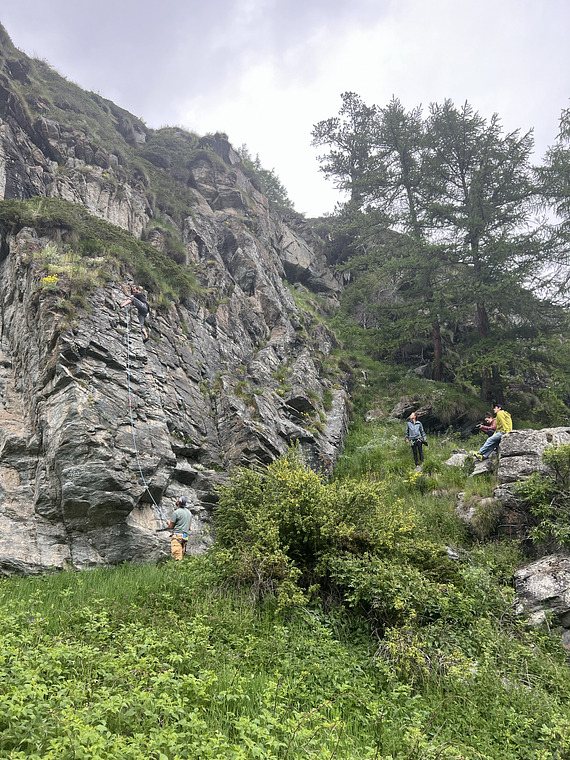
point(99, 432)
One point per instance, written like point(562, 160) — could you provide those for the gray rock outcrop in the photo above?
point(521, 455)
point(543, 588)
point(521, 452)
point(99, 432)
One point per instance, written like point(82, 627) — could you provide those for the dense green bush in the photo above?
point(284, 530)
point(547, 496)
point(278, 527)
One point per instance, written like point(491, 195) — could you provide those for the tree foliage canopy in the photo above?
point(447, 245)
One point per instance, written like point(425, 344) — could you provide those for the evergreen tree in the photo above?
point(554, 180)
point(350, 158)
point(465, 268)
point(483, 202)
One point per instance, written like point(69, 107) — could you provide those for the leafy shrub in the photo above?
point(277, 528)
point(385, 591)
point(548, 496)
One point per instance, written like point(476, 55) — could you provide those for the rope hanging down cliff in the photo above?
point(160, 509)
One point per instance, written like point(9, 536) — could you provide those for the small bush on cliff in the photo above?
point(548, 497)
point(266, 181)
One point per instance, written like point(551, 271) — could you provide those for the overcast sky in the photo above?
point(266, 71)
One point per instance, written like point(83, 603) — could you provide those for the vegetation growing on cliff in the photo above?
point(267, 182)
point(159, 161)
point(82, 237)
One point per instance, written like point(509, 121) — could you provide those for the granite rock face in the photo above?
point(90, 415)
point(543, 587)
point(521, 455)
point(100, 432)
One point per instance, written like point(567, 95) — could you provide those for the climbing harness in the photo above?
point(159, 508)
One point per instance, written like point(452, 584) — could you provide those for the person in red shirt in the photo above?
point(490, 427)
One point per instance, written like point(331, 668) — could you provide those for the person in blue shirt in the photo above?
point(415, 436)
point(180, 524)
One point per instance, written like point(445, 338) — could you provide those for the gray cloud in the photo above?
point(265, 71)
point(146, 57)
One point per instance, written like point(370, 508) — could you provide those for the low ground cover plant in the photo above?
point(165, 662)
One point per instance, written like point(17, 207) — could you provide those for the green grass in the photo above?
point(171, 661)
point(161, 662)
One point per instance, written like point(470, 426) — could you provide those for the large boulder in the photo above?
point(521, 452)
point(521, 456)
point(543, 588)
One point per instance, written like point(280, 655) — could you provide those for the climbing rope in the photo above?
point(160, 509)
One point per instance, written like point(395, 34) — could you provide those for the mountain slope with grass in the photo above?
point(308, 630)
point(343, 610)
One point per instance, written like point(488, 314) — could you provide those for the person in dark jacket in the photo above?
point(415, 436)
point(138, 299)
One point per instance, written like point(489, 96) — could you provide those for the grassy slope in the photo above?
point(165, 662)
point(170, 662)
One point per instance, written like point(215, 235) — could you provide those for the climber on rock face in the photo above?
point(137, 298)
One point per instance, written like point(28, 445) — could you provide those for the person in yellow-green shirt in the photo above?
point(504, 426)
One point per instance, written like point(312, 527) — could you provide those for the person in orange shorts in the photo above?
point(180, 524)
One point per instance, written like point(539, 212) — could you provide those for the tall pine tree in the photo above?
point(462, 194)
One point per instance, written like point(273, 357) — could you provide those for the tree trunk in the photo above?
point(498, 394)
point(486, 386)
point(482, 322)
point(437, 350)
point(483, 331)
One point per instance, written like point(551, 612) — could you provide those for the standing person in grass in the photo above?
point(504, 425)
point(416, 437)
point(180, 524)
